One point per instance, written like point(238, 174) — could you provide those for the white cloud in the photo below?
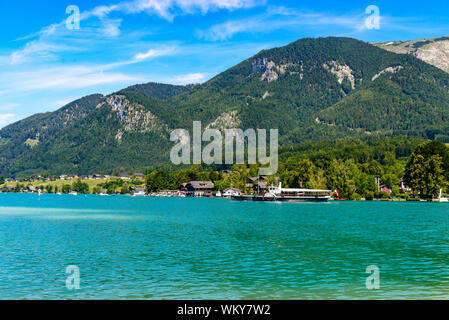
point(228, 29)
point(62, 78)
point(39, 49)
point(168, 9)
point(191, 78)
point(155, 53)
point(6, 118)
point(56, 39)
point(277, 18)
point(111, 27)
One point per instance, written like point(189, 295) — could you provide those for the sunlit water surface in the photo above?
point(170, 248)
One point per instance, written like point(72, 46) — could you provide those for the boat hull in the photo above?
point(280, 199)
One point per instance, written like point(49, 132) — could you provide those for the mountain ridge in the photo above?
point(311, 89)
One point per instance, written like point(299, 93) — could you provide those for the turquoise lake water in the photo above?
point(174, 248)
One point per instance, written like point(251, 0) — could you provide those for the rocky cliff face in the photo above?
point(270, 70)
point(134, 117)
point(433, 51)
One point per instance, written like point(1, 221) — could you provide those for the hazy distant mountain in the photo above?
point(312, 89)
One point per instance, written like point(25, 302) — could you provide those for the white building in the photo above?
point(230, 192)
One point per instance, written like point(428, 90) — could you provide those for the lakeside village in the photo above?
point(135, 185)
point(389, 171)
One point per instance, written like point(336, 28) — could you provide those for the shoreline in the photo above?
point(216, 198)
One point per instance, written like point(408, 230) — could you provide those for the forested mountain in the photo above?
point(313, 89)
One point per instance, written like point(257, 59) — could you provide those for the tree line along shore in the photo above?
point(390, 168)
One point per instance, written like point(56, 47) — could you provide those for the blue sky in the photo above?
point(44, 65)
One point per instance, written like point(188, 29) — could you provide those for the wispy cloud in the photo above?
point(188, 78)
point(169, 9)
point(155, 53)
point(62, 78)
point(55, 39)
point(6, 118)
point(276, 18)
point(39, 50)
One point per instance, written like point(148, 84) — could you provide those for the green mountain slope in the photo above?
point(24, 136)
point(409, 98)
point(312, 89)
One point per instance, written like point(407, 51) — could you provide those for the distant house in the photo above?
point(84, 177)
point(200, 188)
point(72, 176)
point(106, 177)
point(404, 188)
point(31, 189)
point(260, 186)
point(63, 177)
point(124, 176)
point(385, 188)
point(139, 176)
point(230, 192)
point(382, 188)
point(183, 187)
point(138, 191)
point(97, 176)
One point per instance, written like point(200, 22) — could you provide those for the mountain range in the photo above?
point(312, 89)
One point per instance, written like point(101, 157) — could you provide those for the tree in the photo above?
point(434, 178)
point(159, 180)
point(125, 189)
point(431, 148)
point(80, 187)
point(222, 185)
point(299, 174)
point(373, 168)
point(318, 180)
point(341, 177)
point(49, 188)
point(390, 180)
point(66, 188)
point(365, 184)
point(425, 176)
point(425, 171)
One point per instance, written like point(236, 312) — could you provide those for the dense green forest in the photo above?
point(351, 167)
point(407, 166)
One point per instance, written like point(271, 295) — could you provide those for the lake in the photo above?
point(182, 248)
